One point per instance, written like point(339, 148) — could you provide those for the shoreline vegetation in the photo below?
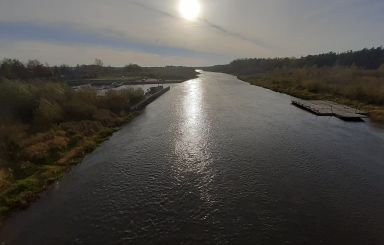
point(365, 92)
point(46, 127)
point(55, 129)
point(352, 78)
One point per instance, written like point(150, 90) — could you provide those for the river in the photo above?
point(218, 161)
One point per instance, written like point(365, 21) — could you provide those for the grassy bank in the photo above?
point(45, 128)
point(362, 89)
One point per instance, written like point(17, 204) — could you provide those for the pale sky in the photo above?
point(153, 33)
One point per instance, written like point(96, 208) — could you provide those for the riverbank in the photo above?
point(48, 155)
point(59, 148)
point(360, 95)
point(34, 155)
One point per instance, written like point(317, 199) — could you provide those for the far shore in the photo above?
point(119, 81)
point(374, 112)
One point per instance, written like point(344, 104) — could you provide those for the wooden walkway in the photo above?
point(329, 108)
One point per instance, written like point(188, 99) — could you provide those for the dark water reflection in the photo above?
point(218, 161)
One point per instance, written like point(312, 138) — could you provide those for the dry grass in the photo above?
point(363, 89)
point(377, 115)
point(45, 127)
point(5, 178)
point(29, 178)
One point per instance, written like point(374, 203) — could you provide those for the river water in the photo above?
point(218, 161)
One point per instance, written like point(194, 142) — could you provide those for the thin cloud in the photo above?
point(67, 34)
point(235, 34)
point(154, 9)
point(208, 24)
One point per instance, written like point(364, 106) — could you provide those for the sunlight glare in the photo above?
point(189, 9)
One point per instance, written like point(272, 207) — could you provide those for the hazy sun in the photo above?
point(189, 9)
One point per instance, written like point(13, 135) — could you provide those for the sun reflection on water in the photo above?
point(192, 144)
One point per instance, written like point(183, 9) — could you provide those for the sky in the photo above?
point(153, 33)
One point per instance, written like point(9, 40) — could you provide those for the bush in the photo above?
point(77, 109)
point(11, 135)
point(5, 178)
point(44, 148)
point(85, 128)
point(46, 114)
point(38, 153)
point(106, 117)
point(115, 101)
point(314, 86)
point(377, 116)
point(88, 95)
point(17, 101)
point(134, 95)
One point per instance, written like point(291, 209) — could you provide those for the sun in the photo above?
point(189, 9)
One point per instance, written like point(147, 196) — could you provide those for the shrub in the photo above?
point(47, 113)
point(51, 91)
point(115, 101)
point(11, 135)
point(106, 117)
point(45, 148)
point(77, 109)
point(377, 115)
point(88, 95)
point(84, 128)
point(5, 178)
point(133, 95)
point(17, 101)
point(38, 153)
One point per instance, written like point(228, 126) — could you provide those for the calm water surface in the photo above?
point(218, 161)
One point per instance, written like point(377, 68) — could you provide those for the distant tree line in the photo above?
point(365, 59)
point(33, 69)
point(14, 69)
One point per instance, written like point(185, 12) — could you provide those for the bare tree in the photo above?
point(99, 62)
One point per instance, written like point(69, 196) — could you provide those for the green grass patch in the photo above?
point(22, 192)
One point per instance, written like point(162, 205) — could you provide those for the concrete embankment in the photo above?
point(149, 99)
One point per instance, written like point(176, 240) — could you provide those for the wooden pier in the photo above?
point(329, 108)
